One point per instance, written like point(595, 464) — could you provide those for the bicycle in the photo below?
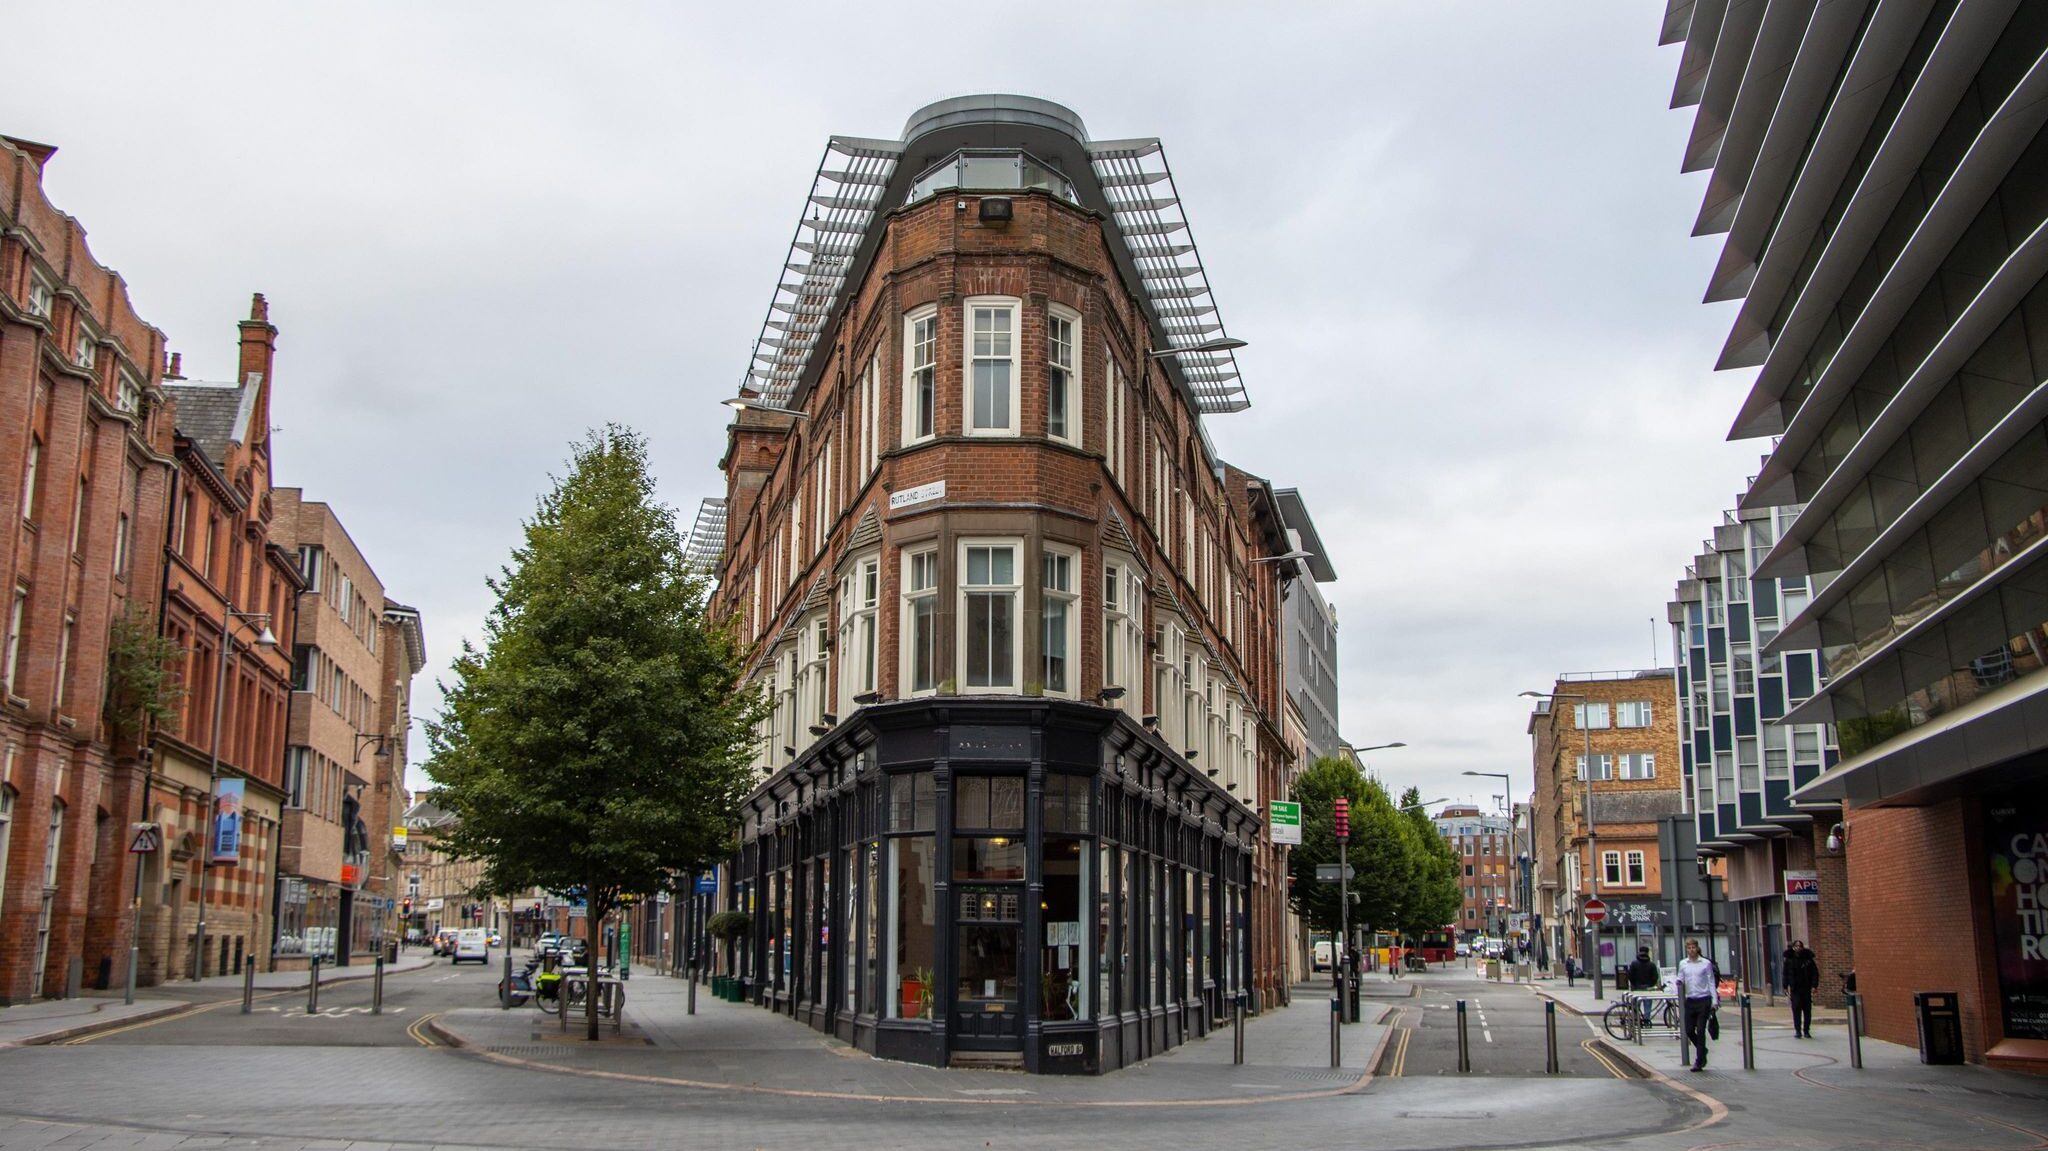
point(1622, 1019)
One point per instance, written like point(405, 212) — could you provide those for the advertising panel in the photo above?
point(225, 845)
point(2016, 839)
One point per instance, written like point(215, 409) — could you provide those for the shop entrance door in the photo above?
point(987, 936)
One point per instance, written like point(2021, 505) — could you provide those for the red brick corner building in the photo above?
point(1016, 618)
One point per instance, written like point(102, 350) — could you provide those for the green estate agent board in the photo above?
point(1286, 822)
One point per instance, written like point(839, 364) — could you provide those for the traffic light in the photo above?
point(405, 906)
point(1343, 818)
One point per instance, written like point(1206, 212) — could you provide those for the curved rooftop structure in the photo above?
point(995, 142)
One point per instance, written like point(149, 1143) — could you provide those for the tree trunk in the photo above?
point(591, 927)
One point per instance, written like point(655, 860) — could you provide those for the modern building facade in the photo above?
point(1310, 624)
point(1880, 175)
point(1610, 849)
point(1020, 626)
point(85, 443)
point(229, 591)
point(1742, 765)
point(1487, 870)
point(403, 650)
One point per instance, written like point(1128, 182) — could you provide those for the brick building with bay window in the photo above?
point(1019, 625)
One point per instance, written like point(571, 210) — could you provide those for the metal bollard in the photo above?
point(1856, 1030)
point(1464, 1042)
point(248, 986)
point(1336, 1032)
point(1748, 1034)
point(505, 988)
point(1550, 1036)
point(562, 1002)
point(1237, 1040)
point(313, 987)
point(377, 987)
point(693, 991)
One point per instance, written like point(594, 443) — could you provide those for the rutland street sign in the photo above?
point(1327, 872)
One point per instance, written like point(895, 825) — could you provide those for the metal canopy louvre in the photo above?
point(706, 543)
point(843, 202)
point(1138, 185)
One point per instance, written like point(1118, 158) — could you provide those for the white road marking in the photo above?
point(1488, 1034)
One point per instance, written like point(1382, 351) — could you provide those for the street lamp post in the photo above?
point(264, 639)
point(1592, 834)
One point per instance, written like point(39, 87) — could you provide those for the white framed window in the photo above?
point(1059, 641)
point(1123, 631)
point(1063, 376)
point(14, 620)
point(1589, 715)
point(127, 392)
point(989, 590)
point(6, 826)
point(871, 416)
point(1636, 873)
point(28, 483)
point(1639, 765)
point(990, 378)
point(121, 547)
point(42, 298)
point(920, 622)
point(86, 352)
point(1603, 767)
point(64, 656)
point(860, 592)
point(1610, 868)
point(1633, 713)
point(920, 375)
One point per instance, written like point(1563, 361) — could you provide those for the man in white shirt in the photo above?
point(1696, 986)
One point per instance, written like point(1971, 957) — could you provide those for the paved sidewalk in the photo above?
point(1578, 999)
point(739, 1047)
point(55, 1020)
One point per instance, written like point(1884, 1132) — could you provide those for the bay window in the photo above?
point(1062, 376)
point(920, 375)
point(860, 591)
point(1061, 618)
point(991, 375)
point(921, 621)
point(988, 616)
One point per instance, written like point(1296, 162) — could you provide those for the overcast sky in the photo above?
point(1455, 235)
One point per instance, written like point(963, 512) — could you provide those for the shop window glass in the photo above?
point(1064, 983)
point(996, 858)
point(913, 865)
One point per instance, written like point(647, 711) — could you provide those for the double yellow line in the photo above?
point(418, 1030)
point(1592, 1047)
point(1400, 1061)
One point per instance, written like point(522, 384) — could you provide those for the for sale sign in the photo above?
point(1285, 822)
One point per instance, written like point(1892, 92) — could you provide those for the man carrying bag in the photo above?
point(1699, 990)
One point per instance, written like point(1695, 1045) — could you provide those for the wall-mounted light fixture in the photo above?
point(1838, 837)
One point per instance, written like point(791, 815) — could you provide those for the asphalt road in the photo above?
point(342, 1078)
point(1504, 1028)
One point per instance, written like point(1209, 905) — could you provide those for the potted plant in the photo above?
point(916, 994)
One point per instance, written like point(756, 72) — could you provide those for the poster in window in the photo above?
point(2016, 838)
point(226, 846)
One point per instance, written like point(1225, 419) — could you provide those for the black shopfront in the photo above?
point(1019, 880)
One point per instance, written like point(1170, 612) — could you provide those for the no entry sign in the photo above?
point(1595, 911)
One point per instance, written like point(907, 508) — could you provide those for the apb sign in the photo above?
point(1285, 822)
point(1802, 887)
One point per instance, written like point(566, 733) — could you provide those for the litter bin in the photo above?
point(1941, 1026)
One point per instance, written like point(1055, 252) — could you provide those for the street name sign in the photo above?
point(1595, 911)
point(1285, 822)
point(1327, 872)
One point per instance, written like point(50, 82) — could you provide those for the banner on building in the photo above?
point(2016, 838)
point(1802, 887)
point(226, 846)
point(398, 840)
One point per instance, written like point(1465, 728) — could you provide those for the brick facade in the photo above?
point(84, 463)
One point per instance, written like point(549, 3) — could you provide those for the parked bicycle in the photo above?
point(1624, 1018)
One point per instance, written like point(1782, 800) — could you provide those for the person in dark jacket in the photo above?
point(1643, 974)
point(1802, 975)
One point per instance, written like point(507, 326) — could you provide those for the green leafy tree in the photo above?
point(1381, 851)
point(142, 679)
point(1436, 897)
point(598, 743)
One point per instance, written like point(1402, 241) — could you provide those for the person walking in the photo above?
point(1802, 976)
point(1696, 986)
